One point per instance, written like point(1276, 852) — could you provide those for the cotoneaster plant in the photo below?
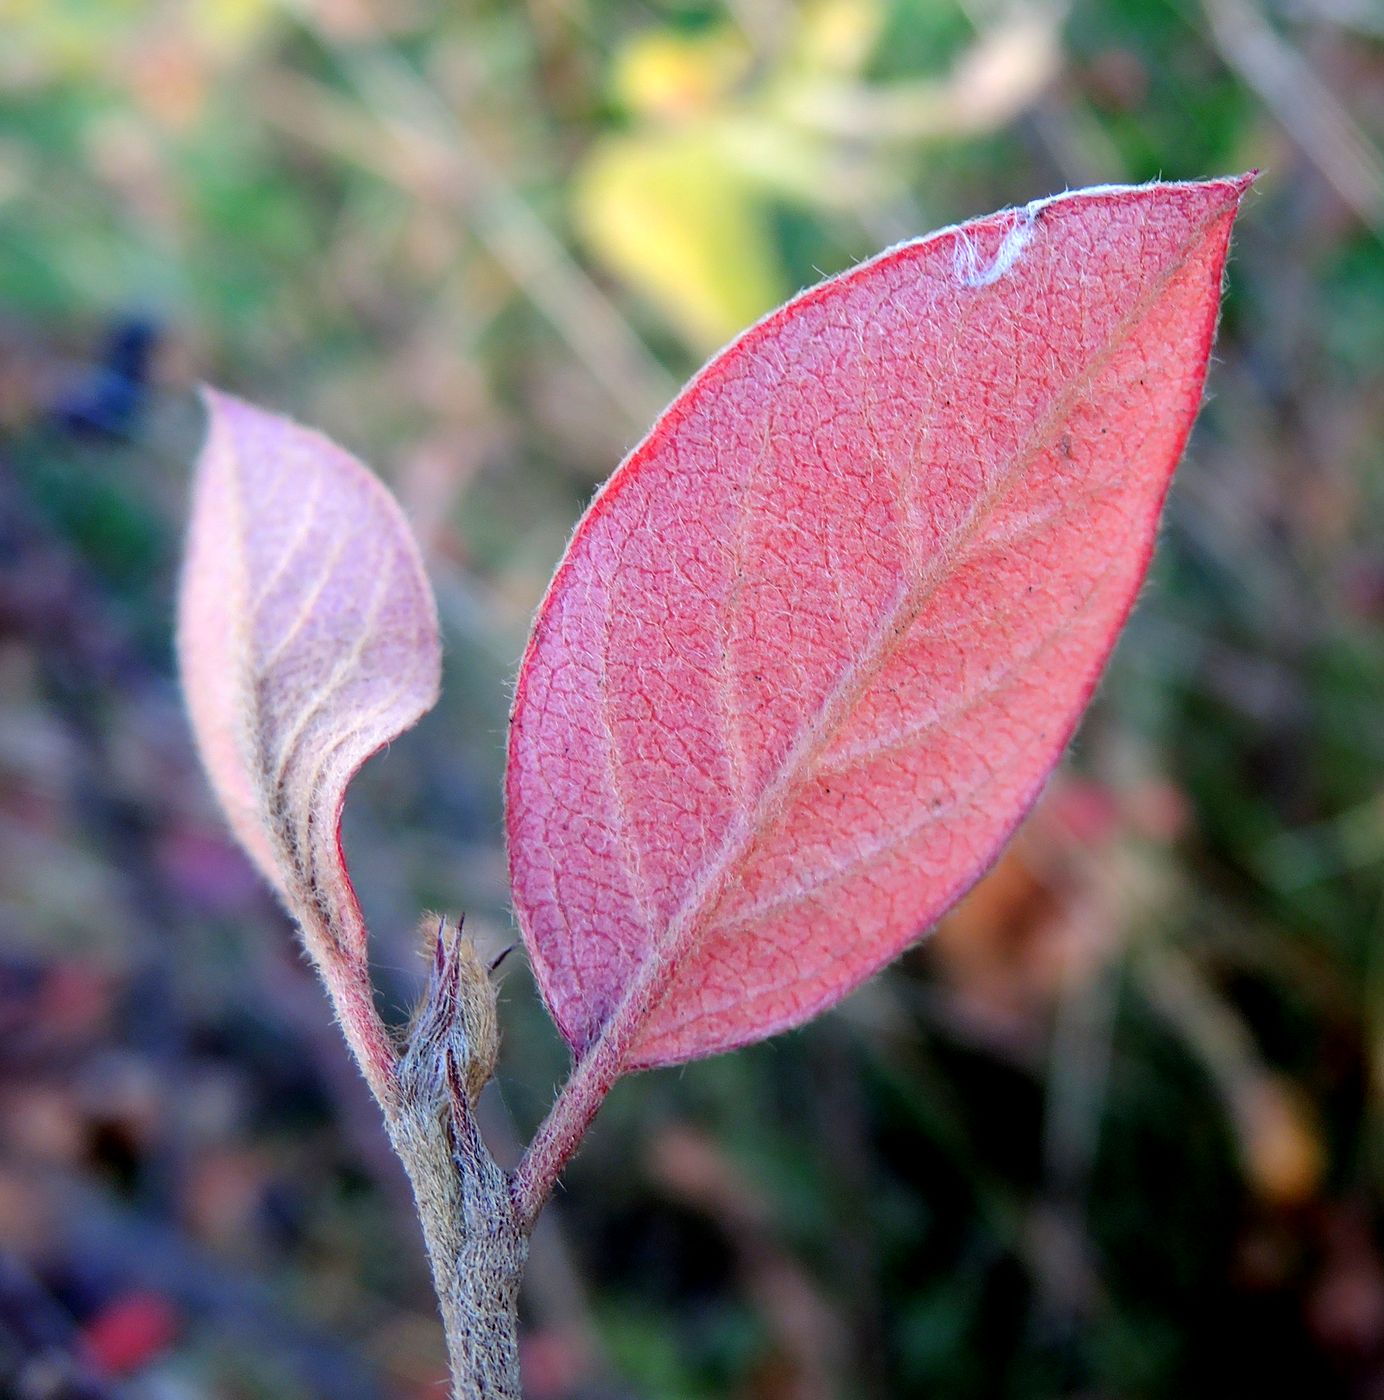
point(808, 660)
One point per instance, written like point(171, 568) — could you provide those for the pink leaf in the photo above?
point(818, 642)
point(307, 640)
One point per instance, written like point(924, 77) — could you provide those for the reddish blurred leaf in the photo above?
point(130, 1332)
point(815, 647)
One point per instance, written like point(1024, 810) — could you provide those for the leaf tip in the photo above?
point(1240, 184)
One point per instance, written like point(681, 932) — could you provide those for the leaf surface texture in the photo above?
point(818, 642)
point(307, 640)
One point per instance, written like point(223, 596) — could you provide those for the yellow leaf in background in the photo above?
point(665, 213)
point(661, 73)
point(229, 27)
point(837, 36)
point(1280, 1143)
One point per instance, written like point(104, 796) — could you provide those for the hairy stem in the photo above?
point(353, 999)
point(561, 1132)
point(476, 1244)
point(475, 1238)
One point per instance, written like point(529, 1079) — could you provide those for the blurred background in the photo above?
point(1116, 1130)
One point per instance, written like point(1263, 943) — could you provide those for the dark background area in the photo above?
point(1115, 1130)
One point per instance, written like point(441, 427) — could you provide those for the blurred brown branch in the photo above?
point(1303, 104)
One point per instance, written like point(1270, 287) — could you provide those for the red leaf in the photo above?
point(818, 642)
point(130, 1332)
point(307, 640)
